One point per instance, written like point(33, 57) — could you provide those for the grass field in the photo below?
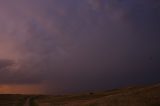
point(12, 100)
point(132, 96)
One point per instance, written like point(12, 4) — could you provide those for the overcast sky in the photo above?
point(62, 46)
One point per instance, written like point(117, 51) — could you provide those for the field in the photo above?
point(131, 96)
point(12, 100)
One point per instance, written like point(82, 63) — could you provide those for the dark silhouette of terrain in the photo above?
point(130, 96)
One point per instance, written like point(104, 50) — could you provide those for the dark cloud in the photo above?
point(79, 45)
point(5, 63)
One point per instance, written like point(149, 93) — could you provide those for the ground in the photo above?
point(131, 96)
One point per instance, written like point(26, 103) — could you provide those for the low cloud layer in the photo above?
point(73, 46)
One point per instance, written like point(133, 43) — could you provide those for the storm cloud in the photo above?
point(73, 46)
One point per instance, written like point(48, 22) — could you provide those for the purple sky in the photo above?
point(79, 45)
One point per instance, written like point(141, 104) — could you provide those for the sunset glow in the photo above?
point(21, 89)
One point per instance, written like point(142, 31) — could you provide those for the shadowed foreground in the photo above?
point(133, 96)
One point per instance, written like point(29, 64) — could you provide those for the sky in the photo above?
point(66, 46)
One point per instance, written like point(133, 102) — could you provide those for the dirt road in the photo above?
point(27, 103)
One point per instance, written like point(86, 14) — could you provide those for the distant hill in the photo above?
point(131, 96)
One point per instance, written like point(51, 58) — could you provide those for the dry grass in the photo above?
point(12, 100)
point(136, 96)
